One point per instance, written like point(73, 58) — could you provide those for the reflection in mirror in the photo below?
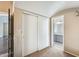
point(3, 34)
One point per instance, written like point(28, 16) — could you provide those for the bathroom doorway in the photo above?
point(58, 32)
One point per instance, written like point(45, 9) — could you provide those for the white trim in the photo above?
point(71, 53)
point(22, 35)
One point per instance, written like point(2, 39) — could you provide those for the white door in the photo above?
point(29, 34)
point(43, 32)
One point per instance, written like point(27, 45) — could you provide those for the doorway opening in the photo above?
point(58, 32)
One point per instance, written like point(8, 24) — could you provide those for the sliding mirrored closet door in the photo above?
point(29, 34)
point(43, 32)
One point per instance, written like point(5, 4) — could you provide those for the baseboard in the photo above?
point(30, 54)
point(71, 53)
point(37, 51)
point(44, 48)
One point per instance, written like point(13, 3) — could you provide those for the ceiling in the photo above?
point(46, 8)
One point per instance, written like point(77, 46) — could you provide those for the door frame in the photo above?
point(10, 34)
point(52, 30)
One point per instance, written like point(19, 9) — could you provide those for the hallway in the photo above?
point(34, 29)
point(55, 51)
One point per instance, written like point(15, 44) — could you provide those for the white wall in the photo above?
point(17, 33)
point(58, 29)
point(71, 33)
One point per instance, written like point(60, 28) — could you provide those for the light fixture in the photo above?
point(77, 12)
